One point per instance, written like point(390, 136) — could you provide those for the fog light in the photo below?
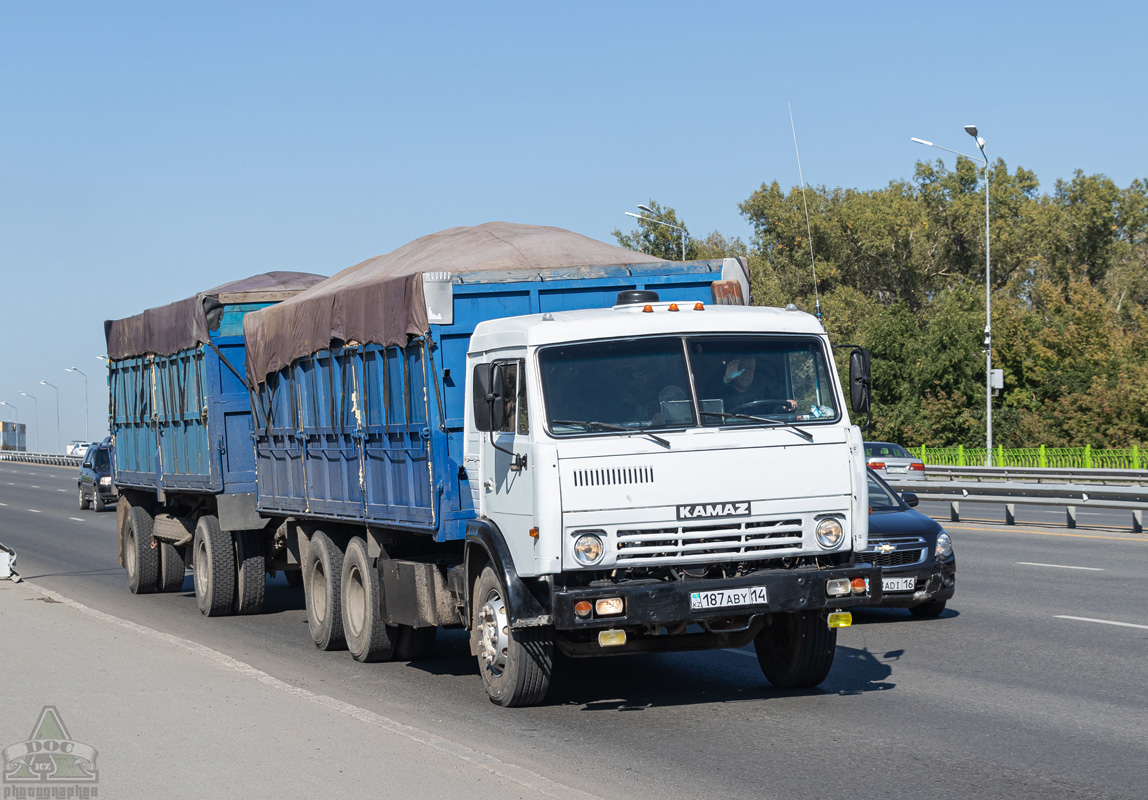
point(830, 533)
point(611, 638)
point(583, 608)
point(837, 587)
point(840, 619)
point(609, 606)
point(859, 585)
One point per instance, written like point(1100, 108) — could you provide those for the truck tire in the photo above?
point(83, 500)
point(171, 568)
point(415, 644)
point(250, 573)
point(796, 649)
point(369, 638)
point(213, 567)
point(322, 574)
point(141, 558)
point(515, 664)
point(928, 609)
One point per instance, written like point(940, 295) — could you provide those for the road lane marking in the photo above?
point(1104, 622)
point(34, 511)
point(1059, 566)
point(77, 519)
point(503, 769)
point(63, 490)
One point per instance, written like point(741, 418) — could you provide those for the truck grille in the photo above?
point(906, 551)
point(709, 542)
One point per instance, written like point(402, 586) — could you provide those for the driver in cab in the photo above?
point(747, 391)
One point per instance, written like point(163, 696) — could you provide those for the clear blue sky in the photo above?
point(151, 150)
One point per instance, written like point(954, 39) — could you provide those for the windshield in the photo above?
point(885, 449)
point(668, 382)
point(881, 498)
point(101, 462)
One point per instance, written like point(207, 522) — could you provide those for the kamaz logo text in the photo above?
point(711, 510)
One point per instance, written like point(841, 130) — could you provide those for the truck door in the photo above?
point(507, 495)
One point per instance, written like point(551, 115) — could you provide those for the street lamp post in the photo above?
point(87, 415)
point(657, 221)
point(36, 407)
point(57, 391)
point(14, 409)
point(971, 130)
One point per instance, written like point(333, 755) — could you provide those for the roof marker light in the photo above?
point(647, 309)
point(699, 307)
point(673, 306)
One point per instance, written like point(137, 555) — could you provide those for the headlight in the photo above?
point(588, 549)
point(106, 480)
point(944, 547)
point(830, 533)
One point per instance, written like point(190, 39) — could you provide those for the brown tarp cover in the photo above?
point(177, 326)
point(380, 300)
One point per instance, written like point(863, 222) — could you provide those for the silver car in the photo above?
point(891, 461)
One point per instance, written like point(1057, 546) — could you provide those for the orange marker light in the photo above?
point(673, 306)
point(533, 533)
point(648, 310)
point(699, 307)
point(583, 608)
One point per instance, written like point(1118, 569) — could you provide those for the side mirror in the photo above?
point(910, 499)
point(489, 406)
point(860, 380)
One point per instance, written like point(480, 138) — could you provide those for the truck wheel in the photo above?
point(369, 638)
point(98, 503)
point(415, 644)
point(929, 609)
point(83, 500)
point(250, 573)
point(213, 567)
point(796, 649)
point(141, 558)
point(322, 573)
point(171, 567)
point(515, 664)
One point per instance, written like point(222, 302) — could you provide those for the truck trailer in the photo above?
point(553, 443)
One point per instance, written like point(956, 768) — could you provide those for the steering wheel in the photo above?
point(758, 407)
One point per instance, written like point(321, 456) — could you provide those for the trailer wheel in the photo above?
point(368, 636)
point(141, 558)
point(83, 500)
point(171, 567)
point(213, 565)
point(796, 649)
point(415, 644)
point(250, 573)
point(515, 664)
point(322, 571)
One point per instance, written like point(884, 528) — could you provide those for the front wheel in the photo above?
point(98, 503)
point(515, 664)
point(795, 650)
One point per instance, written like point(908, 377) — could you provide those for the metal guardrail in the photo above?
point(54, 459)
point(1010, 486)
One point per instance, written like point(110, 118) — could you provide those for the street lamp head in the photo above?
point(971, 130)
point(28, 395)
point(647, 209)
point(921, 141)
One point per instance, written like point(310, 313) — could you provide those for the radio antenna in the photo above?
point(808, 229)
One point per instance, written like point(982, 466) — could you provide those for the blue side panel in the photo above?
point(136, 446)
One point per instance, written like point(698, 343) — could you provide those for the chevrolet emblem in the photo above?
point(885, 549)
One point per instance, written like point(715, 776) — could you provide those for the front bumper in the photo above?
point(668, 602)
point(934, 582)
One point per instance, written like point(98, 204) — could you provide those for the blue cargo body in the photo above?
point(397, 462)
point(182, 422)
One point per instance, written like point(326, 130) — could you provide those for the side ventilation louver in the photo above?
point(619, 476)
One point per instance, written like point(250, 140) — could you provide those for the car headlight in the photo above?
point(944, 547)
point(106, 480)
point(830, 533)
point(588, 549)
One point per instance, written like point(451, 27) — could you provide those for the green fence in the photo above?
point(1064, 457)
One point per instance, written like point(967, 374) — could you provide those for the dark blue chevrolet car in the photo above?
point(918, 567)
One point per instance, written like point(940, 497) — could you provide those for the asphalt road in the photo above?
point(1032, 684)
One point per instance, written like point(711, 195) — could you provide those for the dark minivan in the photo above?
point(95, 481)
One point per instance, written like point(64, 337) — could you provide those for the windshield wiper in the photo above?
point(591, 425)
point(799, 431)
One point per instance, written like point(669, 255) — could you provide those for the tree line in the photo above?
point(901, 270)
